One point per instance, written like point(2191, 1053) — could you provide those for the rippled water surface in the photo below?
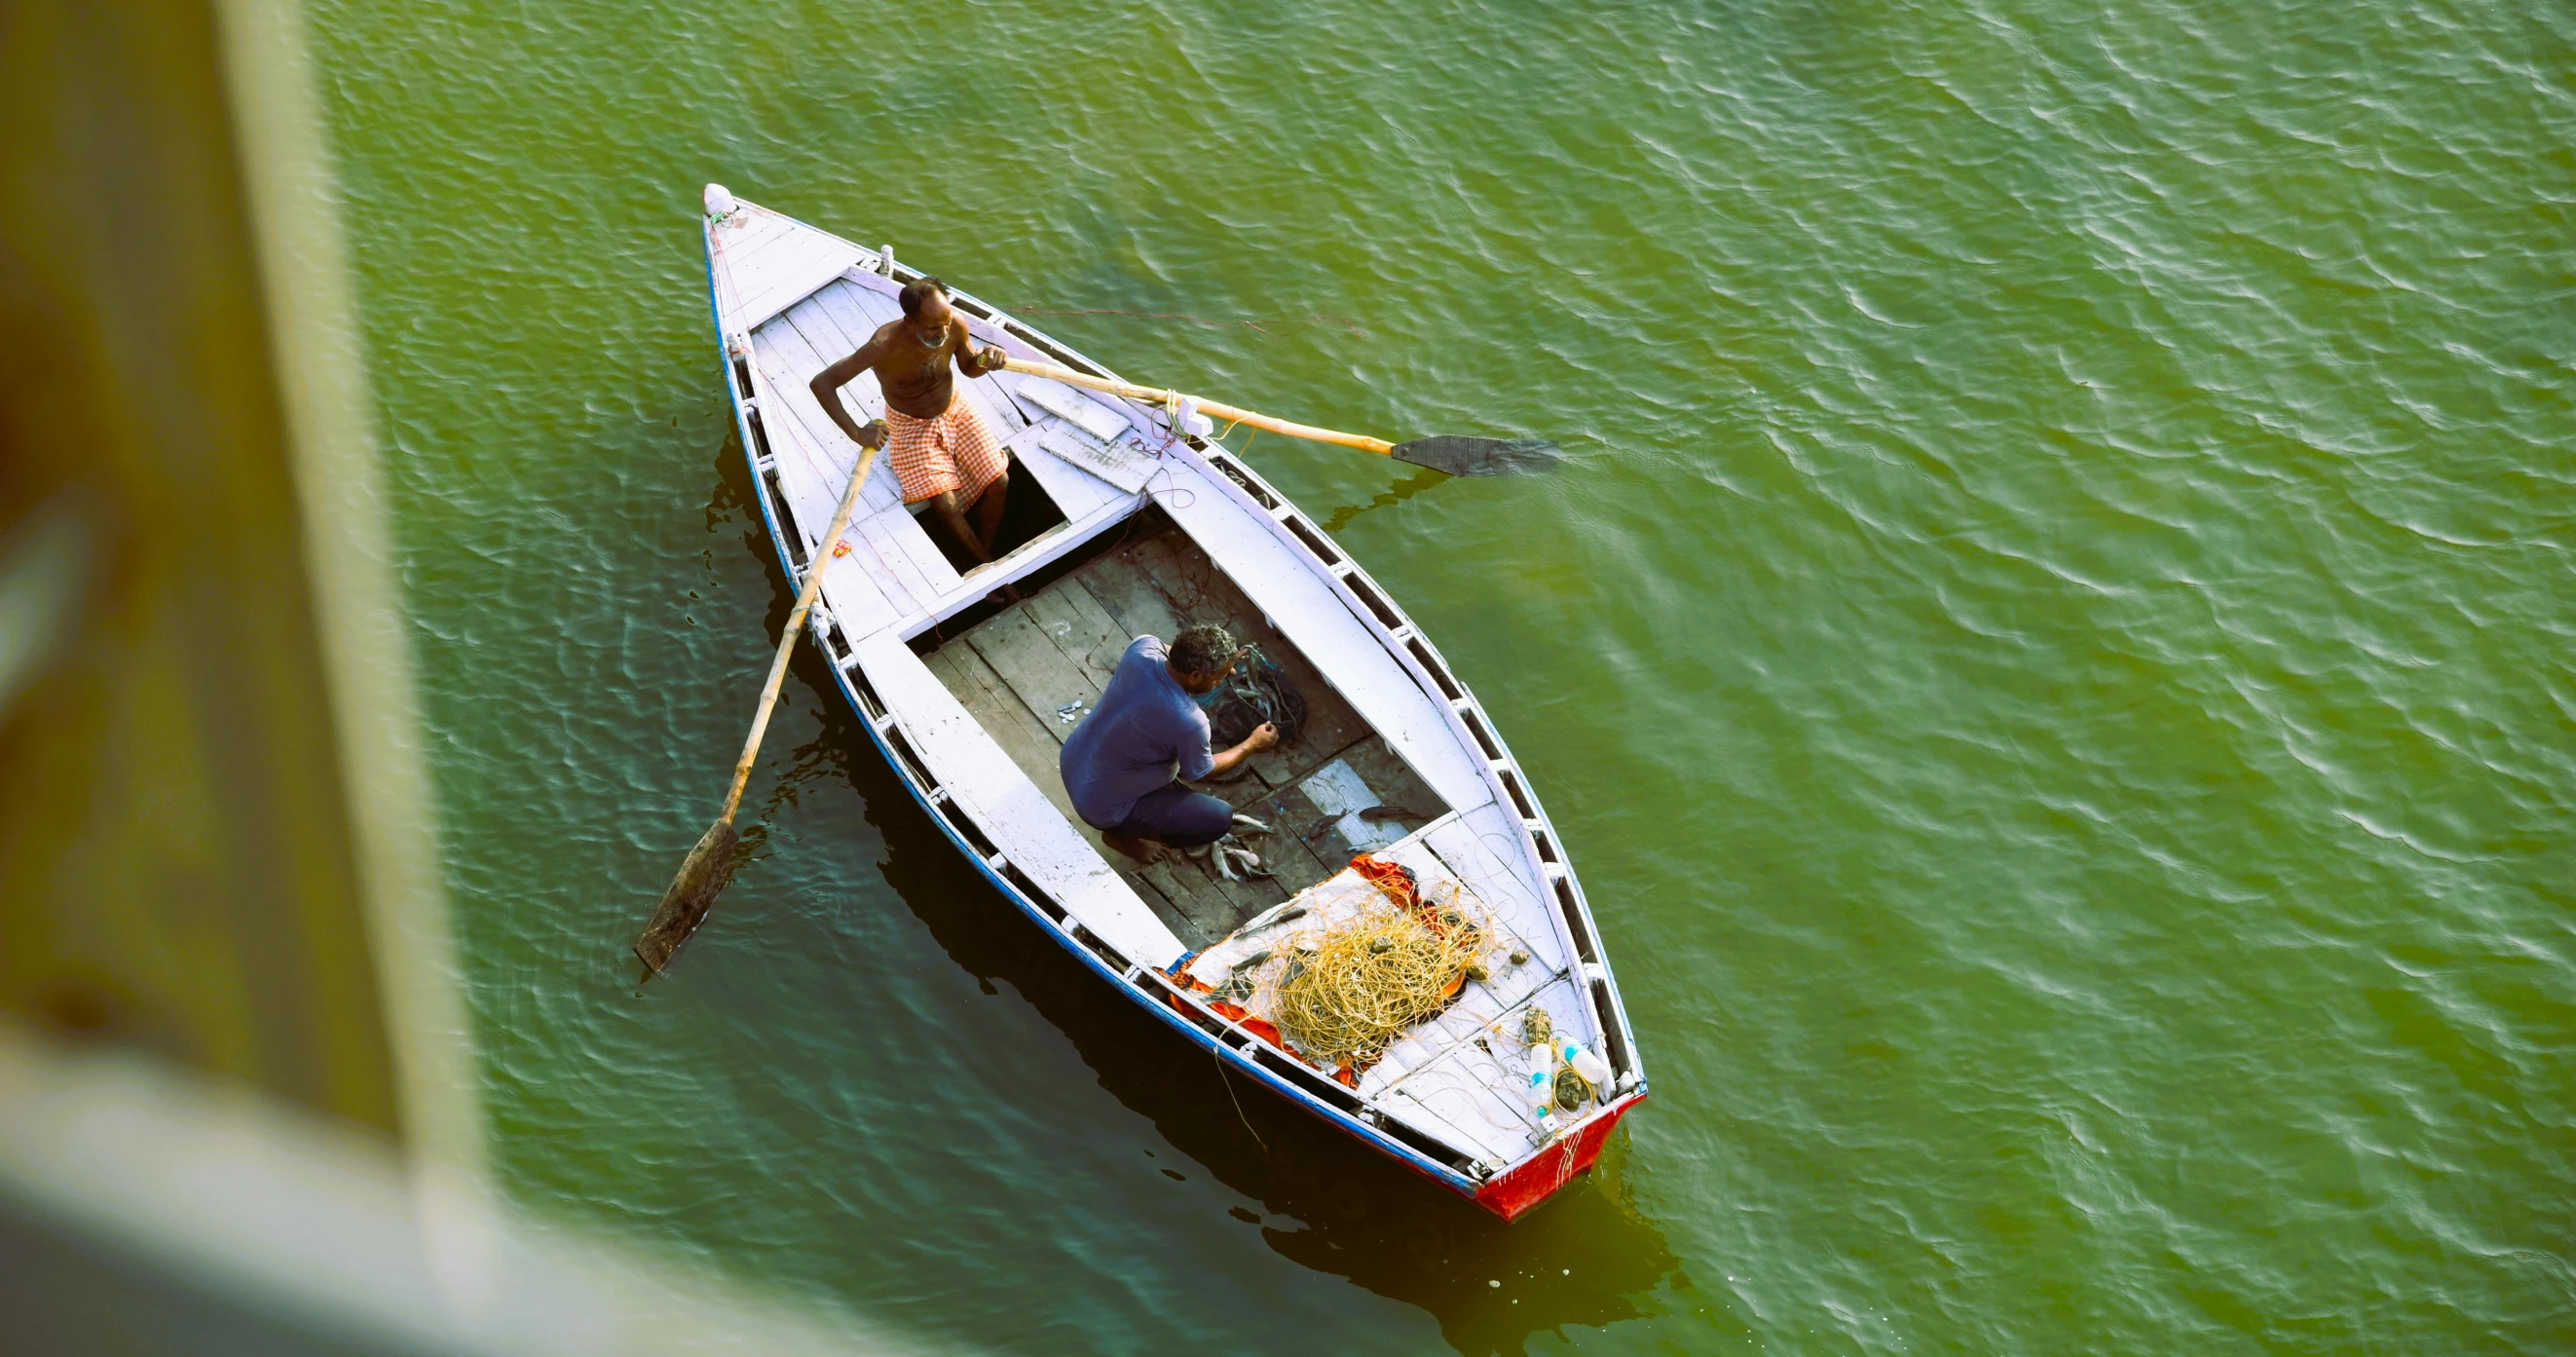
point(2050, 653)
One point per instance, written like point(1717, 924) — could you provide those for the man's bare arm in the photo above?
point(1263, 737)
point(972, 361)
point(827, 386)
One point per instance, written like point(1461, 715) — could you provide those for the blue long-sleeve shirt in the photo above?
point(1144, 725)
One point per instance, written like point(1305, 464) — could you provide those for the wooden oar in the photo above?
point(709, 866)
point(1457, 454)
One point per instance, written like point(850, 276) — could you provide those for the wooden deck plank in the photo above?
point(1076, 492)
point(1118, 584)
point(1026, 657)
point(1074, 489)
point(1007, 416)
point(862, 590)
point(1282, 850)
point(1185, 884)
point(1507, 984)
point(1062, 645)
point(825, 340)
point(785, 361)
point(743, 239)
point(1479, 1090)
point(1000, 712)
point(776, 270)
point(803, 477)
point(1123, 577)
point(1393, 780)
point(1181, 572)
point(1019, 650)
point(992, 787)
point(836, 302)
point(1465, 1110)
point(856, 300)
point(802, 463)
point(1080, 628)
point(997, 410)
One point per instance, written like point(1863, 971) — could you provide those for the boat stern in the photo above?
point(1513, 1192)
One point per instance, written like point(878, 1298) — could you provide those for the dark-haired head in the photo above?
point(1202, 652)
point(919, 290)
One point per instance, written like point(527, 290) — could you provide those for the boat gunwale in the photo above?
point(1594, 981)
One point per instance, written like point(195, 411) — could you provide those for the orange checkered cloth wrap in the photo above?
point(931, 457)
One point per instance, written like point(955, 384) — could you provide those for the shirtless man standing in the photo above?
point(941, 449)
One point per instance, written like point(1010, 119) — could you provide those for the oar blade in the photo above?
point(1461, 455)
point(693, 892)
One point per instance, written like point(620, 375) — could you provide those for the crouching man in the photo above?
point(1119, 766)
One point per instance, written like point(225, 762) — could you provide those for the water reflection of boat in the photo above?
point(1121, 527)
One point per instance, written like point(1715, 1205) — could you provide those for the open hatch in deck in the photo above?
point(1029, 672)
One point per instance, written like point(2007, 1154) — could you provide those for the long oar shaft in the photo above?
point(1212, 409)
point(795, 626)
point(708, 866)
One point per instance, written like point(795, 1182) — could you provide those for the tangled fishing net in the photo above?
point(1258, 690)
point(1373, 977)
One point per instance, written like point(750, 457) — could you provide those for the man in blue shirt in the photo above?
point(1118, 766)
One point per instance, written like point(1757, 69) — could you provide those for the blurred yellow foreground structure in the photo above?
point(237, 1092)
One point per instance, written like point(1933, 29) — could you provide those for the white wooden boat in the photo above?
point(1143, 532)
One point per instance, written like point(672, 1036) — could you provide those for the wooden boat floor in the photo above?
point(1018, 671)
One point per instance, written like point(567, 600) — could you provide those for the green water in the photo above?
point(2050, 653)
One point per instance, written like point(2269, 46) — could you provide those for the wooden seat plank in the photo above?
point(852, 591)
point(1349, 654)
point(1008, 806)
point(880, 534)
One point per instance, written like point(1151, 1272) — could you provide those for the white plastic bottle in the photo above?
point(1542, 1081)
point(1539, 1035)
point(1594, 1069)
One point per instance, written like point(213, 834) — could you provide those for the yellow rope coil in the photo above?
point(1374, 977)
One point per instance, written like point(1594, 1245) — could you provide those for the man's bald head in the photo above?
point(926, 312)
